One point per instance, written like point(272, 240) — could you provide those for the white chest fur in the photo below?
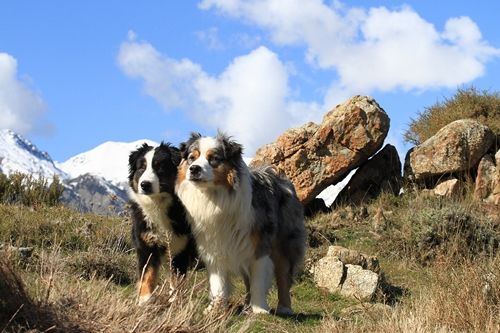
point(222, 224)
point(155, 211)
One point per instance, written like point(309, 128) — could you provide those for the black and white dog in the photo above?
point(160, 229)
point(245, 221)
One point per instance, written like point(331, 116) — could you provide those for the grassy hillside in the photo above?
point(439, 258)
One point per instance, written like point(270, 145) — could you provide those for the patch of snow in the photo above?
point(108, 160)
point(330, 193)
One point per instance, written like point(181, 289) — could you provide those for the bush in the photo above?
point(27, 190)
point(427, 229)
point(483, 106)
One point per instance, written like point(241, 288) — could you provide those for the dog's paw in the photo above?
point(215, 306)
point(283, 311)
point(208, 310)
point(144, 299)
point(256, 309)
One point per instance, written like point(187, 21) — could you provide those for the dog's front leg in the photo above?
point(219, 289)
point(261, 272)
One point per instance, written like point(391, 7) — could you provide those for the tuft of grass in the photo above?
point(468, 102)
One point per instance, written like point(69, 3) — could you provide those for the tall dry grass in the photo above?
point(52, 300)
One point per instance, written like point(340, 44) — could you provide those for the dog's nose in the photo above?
point(146, 186)
point(195, 170)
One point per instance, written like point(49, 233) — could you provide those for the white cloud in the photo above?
point(21, 107)
point(370, 49)
point(210, 37)
point(250, 99)
point(168, 80)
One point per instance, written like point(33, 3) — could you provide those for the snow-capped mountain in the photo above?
point(19, 154)
point(93, 181)
point(108, 160)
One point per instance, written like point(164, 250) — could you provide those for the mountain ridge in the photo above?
point(94, 181)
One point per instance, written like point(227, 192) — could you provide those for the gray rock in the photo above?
point(359, 283)
point(331, 273)
point(488, 179)
point(448, 188)
point(328, 273)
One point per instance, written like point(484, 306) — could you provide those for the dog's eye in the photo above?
point(141, 164)
point(191, 158)
point(214, 160)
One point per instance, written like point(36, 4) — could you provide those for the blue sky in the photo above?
point(74, 74)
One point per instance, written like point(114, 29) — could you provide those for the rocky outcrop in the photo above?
point(316, 156)
point(382, 173)
point(337, 273)
point(455, 148)
point(488, 179)
point(88, 193)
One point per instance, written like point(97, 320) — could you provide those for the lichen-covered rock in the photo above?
point(448, 188)
point(456, 147)
point(360, 283)
point(488, 179)
point(328, 273)
point(316, 156)
point(335, 273)
point(382, 173)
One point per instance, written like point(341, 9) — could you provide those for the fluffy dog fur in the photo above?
point(160, 228)
point(245, 222)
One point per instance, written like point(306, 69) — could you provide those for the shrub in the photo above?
point(29, 191)
point(426, 229)
point(484, 106)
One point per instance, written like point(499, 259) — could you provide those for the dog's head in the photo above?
point(210, 161)
point(153, 170)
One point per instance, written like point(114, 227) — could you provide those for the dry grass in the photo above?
point(439, 258)
point(61, 302)
point(456, 298)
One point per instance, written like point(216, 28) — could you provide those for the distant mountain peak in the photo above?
point(20, 154)
point(108, 160)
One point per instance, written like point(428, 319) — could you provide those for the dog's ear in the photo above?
point(134, 156)
point(232, 149)
point(176, 155)
point(173, 152)
point(184, 146)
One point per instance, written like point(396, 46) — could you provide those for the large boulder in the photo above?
point(317, 156)
point(488, 179)
point(382, 173)
point(455, 148)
